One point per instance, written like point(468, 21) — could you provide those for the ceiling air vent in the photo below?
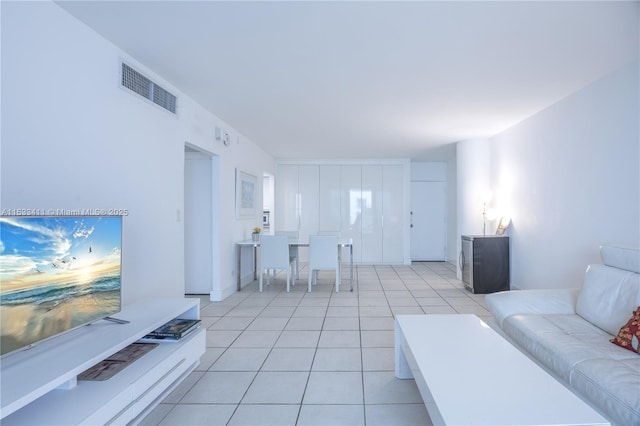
point(133, 80)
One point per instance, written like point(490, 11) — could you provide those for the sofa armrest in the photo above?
point(548, 301)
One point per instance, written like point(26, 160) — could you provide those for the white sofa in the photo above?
point(568, 331)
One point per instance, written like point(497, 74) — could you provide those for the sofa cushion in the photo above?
point(612, 386)
point(621, 257)
point(629, 335)
point(608, 296)
point(559, 342)
point(548, 301)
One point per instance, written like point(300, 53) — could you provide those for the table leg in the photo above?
point(351, 266)
point(238, 265)
point(402, 369)
point(255, 260)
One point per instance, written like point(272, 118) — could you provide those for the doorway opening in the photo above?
point(428, 221)
point(268, 191)
point(201, 222)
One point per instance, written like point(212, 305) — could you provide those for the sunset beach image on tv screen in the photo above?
point(56, 273)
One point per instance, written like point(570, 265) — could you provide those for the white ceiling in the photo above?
point(371, 79)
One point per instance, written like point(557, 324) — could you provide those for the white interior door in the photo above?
point(428, 221)
point(198, 231)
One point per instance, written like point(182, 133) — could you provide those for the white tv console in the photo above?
point(38, 385)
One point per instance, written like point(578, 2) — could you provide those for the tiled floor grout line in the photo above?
point(399, 285)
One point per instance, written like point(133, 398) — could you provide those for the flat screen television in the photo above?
point(57, 273)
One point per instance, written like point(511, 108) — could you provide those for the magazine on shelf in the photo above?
point(115, 363)
point(175, 329)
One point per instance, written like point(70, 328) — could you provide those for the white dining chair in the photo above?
point(337, 234)
point(274, 254)
point(323, 255)
point(293, 250)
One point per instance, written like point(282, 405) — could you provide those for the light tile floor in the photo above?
point(319, 358)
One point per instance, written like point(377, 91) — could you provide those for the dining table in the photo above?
point(293, 242)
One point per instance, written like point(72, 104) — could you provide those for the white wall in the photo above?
point(73, 139)
point(569, 175)
point(452, 207)
point(473, 184)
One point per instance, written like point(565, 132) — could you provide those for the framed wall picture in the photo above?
point(246, 194)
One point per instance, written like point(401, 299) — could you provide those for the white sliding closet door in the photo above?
point(364, 202)
point(308, 201)
point(330, 210)
point(287, 198)
point(393, 213)
point(351, 213)
point(371, 214)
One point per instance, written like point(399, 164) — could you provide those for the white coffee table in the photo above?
point(468, 374)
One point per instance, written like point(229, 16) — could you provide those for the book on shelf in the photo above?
point(115, 363)
point(175, 329)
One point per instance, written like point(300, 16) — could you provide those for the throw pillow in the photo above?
point(629, 335)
